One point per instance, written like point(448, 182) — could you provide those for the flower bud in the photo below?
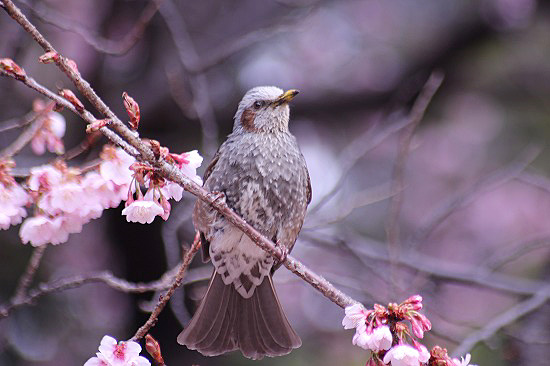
point(153, 348)
point(97, 125)
point(12, 68)
point(69, 95)
point(132, 108)
point(49, 57)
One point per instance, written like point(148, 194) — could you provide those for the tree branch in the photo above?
point(196, 274)
point(187, 258)
point(27, 277)
point(173, 173)
point(508, 317)
point(26, 136)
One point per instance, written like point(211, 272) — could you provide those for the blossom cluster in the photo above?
point(65, 198)
point(113, 353)
point(383, 331)
point(52, 130)
point(13, 198)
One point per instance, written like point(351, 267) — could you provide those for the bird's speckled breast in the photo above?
point(264, 178)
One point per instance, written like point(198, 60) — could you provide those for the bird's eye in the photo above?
point(258, 104)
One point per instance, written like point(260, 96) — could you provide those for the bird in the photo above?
point(262, 175)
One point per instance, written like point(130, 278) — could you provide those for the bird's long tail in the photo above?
point(225, 321)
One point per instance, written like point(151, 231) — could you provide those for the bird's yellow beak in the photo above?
point(285, 97)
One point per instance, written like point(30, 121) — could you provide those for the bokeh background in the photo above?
point(466, 225)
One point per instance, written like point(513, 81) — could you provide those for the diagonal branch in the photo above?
point(173, 173)
point(508, 317)
point(24, 138)
point(187, 258)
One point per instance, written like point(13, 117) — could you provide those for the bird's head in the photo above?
point(264, 109)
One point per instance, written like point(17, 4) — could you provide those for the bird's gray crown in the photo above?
point(258, 113)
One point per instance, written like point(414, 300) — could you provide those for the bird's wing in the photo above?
point(202, 212)
point(308, 188)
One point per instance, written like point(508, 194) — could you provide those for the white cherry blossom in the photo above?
point(113, 353)
point(142, 211)
point(402, 355)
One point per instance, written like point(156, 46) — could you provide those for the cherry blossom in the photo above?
point(402, 355)
point(39, 230)
point(380, 339)
point(116, 166)
point(355, 315)
point(44, 177)
point(188, 163)
point(13, 198)
point(361, 338)
point(142, 211)
point(49, 136)
point(112, 353)
point(424, 354)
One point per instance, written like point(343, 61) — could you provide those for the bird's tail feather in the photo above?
point(225, 321)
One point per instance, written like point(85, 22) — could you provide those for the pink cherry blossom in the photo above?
point(44, 177)
point(116, 166)
point(172, 190)
point(380, 339)
point(188, 163)
point(423, 352)
point(142, 211)
point(104, 192)
point(361, 338)
point(112, 353)
point(355, 314)
point(39, 230)
point(13, 198)
point(49, 136)
point(402, 355)
point(67, 197)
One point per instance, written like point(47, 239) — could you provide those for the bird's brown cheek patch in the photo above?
point(247, 119)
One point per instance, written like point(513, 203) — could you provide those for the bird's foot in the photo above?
point(217, 197)
point(283, 250)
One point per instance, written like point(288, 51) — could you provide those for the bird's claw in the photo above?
point(217, 197)
point(284, 251)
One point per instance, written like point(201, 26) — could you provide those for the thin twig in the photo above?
point(173, 173)
point(435, 267)
point(85, 115)
point(461, 199)
point(194, 275)
point(187, 258)
point(415, 117)
point(508, 317)
point(100, 44)
point(351, 155)
point(514, 251)
point(17, 122)
point(26, 136)
point(32, 267)
point(198, 82)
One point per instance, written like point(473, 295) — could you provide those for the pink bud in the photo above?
point(426, 324)
point(417, 328)
point(153, 347)
point(49, 57)
point(97, 125)
point(12, 68)
point(132, 108)
point(69, 95)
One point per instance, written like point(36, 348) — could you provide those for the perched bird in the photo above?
point(264, 178)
